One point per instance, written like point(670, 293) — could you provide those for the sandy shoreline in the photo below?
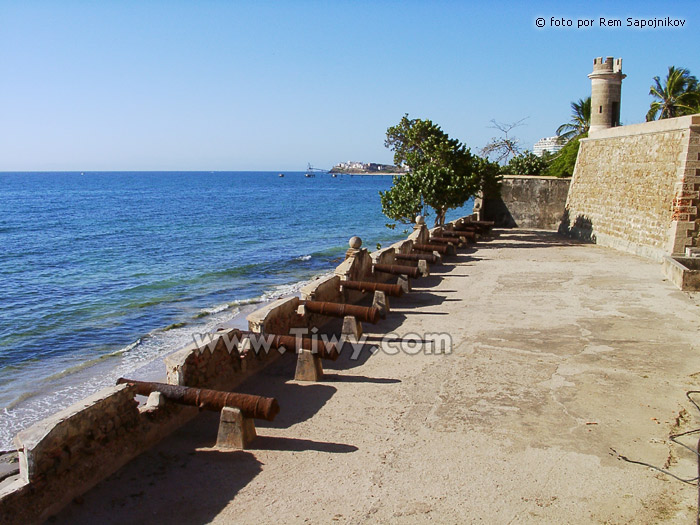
point(69, 387)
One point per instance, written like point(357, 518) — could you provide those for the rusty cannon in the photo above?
point(479, 226)
point(427, 257)
point(445, 240)
point(467, 229)
point(251, 406)
point(397, 269)
point(441, 249)
point(324, 350)
point(368, 314)
point(469, 235)
point(393, 290)
point(484, 227)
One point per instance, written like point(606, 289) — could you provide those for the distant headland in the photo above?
point(366, 168)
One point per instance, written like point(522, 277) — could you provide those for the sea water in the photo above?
point(103, 274)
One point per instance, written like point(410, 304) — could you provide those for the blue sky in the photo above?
point(239, 85)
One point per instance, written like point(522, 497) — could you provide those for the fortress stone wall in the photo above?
point(635, 188)
point(527, 201)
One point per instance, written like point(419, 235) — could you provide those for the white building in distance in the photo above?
point(551, 144)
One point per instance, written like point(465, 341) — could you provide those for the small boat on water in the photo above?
point(281, 175)
point(310, 171)
point(334, 175)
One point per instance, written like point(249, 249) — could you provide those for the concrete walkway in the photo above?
point(562, 352)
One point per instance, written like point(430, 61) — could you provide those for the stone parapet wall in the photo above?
point(65, 455)
point(527, 201)
point(214, 363)
point(636, 188)
point(420, 234)
point(403, 247)
point(68, 453)
point(53, 446)
point(323, 289)
point(277, 317)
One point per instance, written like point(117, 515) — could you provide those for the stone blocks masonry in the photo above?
point(636, 188)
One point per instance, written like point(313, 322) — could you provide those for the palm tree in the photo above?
point(678, 96)
point(580, 120)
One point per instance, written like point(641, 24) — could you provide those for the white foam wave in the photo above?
point(141, 359)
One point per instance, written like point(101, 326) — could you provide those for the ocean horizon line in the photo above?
point(6, 172)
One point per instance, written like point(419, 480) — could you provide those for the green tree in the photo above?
point(563, 163)
point(441, 172)
point(525, 164)
point(490, 178)
point(678, 95)
point(580, 120)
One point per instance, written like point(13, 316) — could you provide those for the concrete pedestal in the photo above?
point(404, 282)
point(381, 302)
point(423, 267)
point(309, 366)
point(352, 328)
point(235, 430)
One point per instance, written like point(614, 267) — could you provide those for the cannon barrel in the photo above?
point(397, 269)
point(394, 290)
point(252, 406)
point(442, 250)
point(444, 240)
point(480, 226)
point(324, 350)
point(368, 314)
point(428, 257)
point(457, 234)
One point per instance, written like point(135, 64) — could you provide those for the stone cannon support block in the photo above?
point(381, 302)
point(309, 367)
point(405, 283)
point(352, 327)
point(235, 430)
point(423, 268)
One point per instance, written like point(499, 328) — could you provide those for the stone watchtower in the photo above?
point(606, 89)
